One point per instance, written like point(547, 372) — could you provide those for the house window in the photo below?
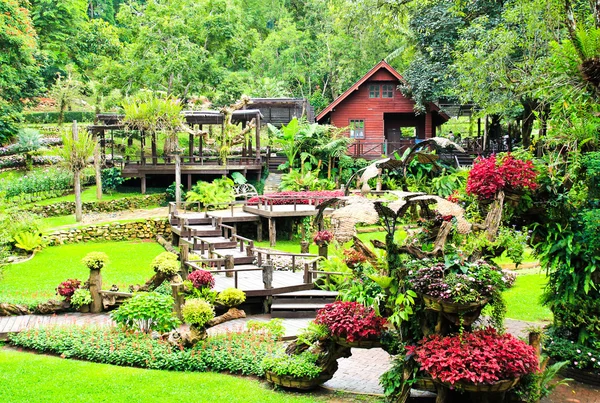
point(374, 91)
point(387, 91)
point(357, 129)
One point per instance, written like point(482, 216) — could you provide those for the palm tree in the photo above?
point(76, 151)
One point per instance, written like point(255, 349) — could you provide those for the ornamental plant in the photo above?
point(351, 321)
point(298, 366)
point(231, 297)
point(197, 312)
point(481, 357)
point(201, 279)
point(81, 297)
point(323, 237)
point(146, 311)
point(165, 263)
point(67, 288)
point(491, 175)
point(95, 260)
point(353, 258)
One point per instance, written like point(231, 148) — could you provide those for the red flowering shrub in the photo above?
point(489, 176)
point(351, 320)
point(67, 288)
point(311, 197)
point(323, 237)
point(353, 258)
point(201, 279)
point(481, 357)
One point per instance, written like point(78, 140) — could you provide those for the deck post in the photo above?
point(259, 230)
point(178, 298)
point(272, 232)
point(185, 253)
point(230, 265)
point(268, 275)
point(258, 136)
point(154, 152)
point(143, 184)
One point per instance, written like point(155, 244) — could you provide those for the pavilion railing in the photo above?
point(266, 202)
point(375, 149)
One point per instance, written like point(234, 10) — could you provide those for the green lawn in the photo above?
point(88, 195)
point(37, 279)
point(523, 299)
point(293, 246)
point(26, 377)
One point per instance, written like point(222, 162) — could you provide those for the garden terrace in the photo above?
point(196, 162)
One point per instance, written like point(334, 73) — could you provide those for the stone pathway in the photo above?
point(357, 374)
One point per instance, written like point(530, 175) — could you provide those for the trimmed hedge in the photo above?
point(52, 117)
point(126, 203)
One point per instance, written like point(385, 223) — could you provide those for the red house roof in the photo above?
point(381, 65)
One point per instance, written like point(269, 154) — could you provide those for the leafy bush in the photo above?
point(351, 320)
point(28, 241)
point(110, 346)
point(490, 175)
point(299, 366)
point(309, 181)
point(170, 191)
point(147, 311)
point(95, 260)
point(52, 181)
point(201, 279)
point(212, 194)
point(166, 263)
point(111, 178)
point(52, 117)
point(323, 237)
point(67, 288)
point(577, 355)
point(14, 221)
point(231, 297)
point(273, 328)
point(81, 297)
point(481, 357)
point(197, 312)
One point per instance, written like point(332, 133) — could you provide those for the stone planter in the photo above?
point(496, 387)
point(288, 381)
point(357, 343)
point(84, 308)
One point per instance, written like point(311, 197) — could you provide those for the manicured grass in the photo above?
point(523, 299)
point(49, 223)
point(528, 257)
point(37, 279)
point(293, 246)
point(26, 377)
point(88, 195)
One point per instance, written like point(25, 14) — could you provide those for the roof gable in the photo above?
point(391, 73)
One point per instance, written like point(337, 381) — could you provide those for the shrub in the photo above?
point(231, 297)
point(490, 175)
point(111, 178)
point(351, 320)
point(273, 328)
point(81, 297)
point(28, 241)
point(201, 279)
point(299, 366)
point(323, 237)
point(212, 194)
point(577, 355)
point(481, 357)
point(146, 311)
point(67, 288)
point(52, 117)
point(166, 263)
point(197, 312)
point(95, 260)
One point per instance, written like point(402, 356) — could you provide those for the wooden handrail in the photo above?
point(281, 253)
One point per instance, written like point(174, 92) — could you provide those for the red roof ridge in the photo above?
point(354, 87)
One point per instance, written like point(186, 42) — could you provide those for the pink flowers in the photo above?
point(351, 320)
point(489, 176)
point(201, 279)
point(323, 237)
point(67, 288)
point(481, 357)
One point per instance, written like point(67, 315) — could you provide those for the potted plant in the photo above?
point(322, 239)
point(459, 291)
point(67, 288)
point(298, 371)
point(481, 361)
point(81, 299)
point(352, 324)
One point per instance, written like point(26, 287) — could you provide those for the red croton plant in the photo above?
point(481, 357)
point(490, 175)
point(351, 321)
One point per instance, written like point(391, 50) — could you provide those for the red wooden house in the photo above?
point(379, 117)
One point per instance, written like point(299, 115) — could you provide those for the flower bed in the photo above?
point(284, 198)
point(481, 357)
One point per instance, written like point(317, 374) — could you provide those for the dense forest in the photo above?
point(518, 61)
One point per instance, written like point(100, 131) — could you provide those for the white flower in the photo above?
point(578, 351)
point(590, 354)
point(574, 362)
point(593, 359)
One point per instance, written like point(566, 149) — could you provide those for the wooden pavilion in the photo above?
point(197, 160)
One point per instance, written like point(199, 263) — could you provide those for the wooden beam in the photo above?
point(191, 146)
point(258, 136)
point(272, 232)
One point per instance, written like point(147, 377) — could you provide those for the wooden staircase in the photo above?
point(301, 304)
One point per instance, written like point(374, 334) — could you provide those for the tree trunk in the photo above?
point(177, 179)
point(95, 282)
point(97, 169)
point(231, 314)
point(77, 186)
point(527, 127)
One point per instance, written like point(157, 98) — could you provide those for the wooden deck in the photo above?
point(251, 282)
point(278, 211)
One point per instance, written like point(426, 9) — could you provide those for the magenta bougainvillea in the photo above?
point(490, 175)
point(481, 357)
point(201, 279)
point(351, 320)
point(67, 288)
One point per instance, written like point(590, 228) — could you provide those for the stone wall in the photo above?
point(126, 203)
point(141, 229)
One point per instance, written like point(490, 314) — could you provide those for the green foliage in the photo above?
point(80, 297)
point(170, 191)
point(28, 241)
point(533, 387)
point(52, 117)
point(197, 312)
point(301, 365)
point(28, 141)
point(231, 297)
point(95, 260)
point(204, 293)
point(273, 328)
point(312, 334)
point(166, 263)
point(238, 178)
point(296, 181)
point(37, 185)
point(76, 153)
point(111, 178)
point(514, 242)
point(146, 311)
point(212, 194)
